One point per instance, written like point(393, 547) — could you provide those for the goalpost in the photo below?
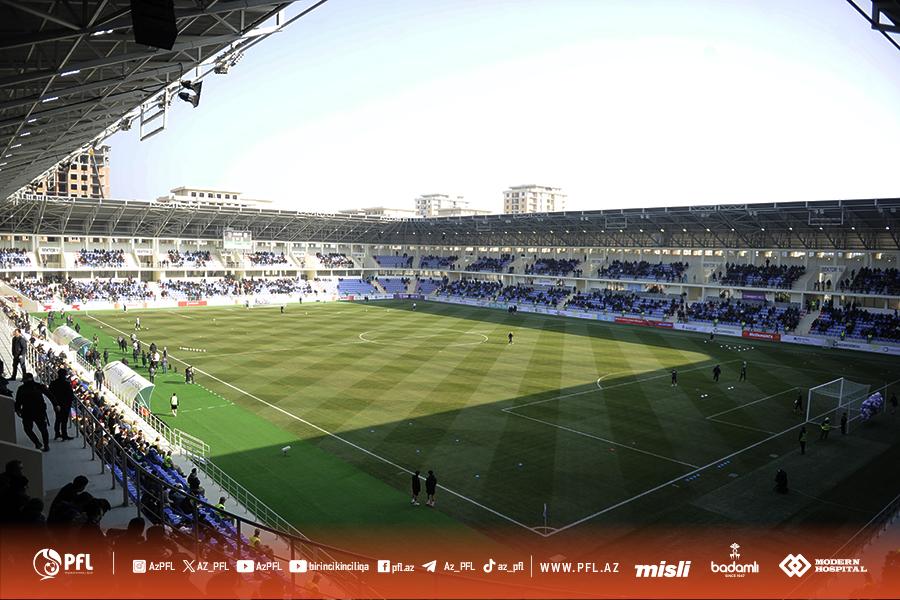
point(833, 399)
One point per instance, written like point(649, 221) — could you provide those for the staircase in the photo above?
point(806, 322)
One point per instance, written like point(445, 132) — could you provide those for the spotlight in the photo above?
point(194, 98)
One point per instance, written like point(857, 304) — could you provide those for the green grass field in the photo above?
point(578, 415)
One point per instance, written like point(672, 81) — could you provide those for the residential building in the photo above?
point(84, 176)
point(522, 199)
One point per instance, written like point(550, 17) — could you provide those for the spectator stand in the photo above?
point(851, 322)
point(642, 270)
point(489, 264)
point(335, 260)
point(655, 306)
point(118, 438)
point(439, 263)
point(748, 314)
point(871, 281)
point(15, 259)
point(394, 261)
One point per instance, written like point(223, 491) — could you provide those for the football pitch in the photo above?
point(576, 416)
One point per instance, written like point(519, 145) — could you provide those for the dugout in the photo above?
point(68, 337)
point(130, 387)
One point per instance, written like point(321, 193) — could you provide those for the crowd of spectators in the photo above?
point(760, 316)
point(197, 290)
point(13, 258)
point(432, 261)
point(197, 258)
point(427, 285)
point(394, 261)
point(231, 286)
point(471, 288)
point(557, 267)
point(546, 295)
point(394, 285)
point(872, 281)
point(766, 276)
point(490, 264)
point(624, 303)
point(334, 260)
point(100, 258)
point(851, 321)
point(641, 269)
point(263, 257)
point(83, 290)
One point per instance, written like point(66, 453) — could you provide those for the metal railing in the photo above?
point(181, 442)
point(152, 498)
point(150, 494)
point(246, 498)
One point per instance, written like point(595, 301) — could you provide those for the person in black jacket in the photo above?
point(63, 398)
point(430, 488)
point(32, 409)
point(19, 348)
point(416, 488)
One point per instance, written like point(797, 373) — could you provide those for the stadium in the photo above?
point(266, 384)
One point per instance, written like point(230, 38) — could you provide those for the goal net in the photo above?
point(831, 400)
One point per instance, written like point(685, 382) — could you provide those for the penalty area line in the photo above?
point(599, 388)
point(601, 439)
point(656, 488)
point(751, 403)
point(351, 444)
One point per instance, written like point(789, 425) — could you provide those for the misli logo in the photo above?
point(680, 569)
point(795, 565)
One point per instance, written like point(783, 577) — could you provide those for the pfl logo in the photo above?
point(48, 563)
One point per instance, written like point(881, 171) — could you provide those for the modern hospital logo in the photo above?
point(795, 565)
point(48, 564)
point(734, 569)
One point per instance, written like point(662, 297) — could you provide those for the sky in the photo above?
point(620, 103)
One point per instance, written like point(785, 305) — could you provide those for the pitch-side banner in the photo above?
point(670, 563)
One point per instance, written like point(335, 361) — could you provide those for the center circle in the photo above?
point(449, 338)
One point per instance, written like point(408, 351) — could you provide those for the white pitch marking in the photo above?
point(592, 390)
point(348, 442)
point(740, 406)
point(602, 439)
point(680, 477)
point(393, 339)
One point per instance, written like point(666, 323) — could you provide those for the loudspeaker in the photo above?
point(154, 23)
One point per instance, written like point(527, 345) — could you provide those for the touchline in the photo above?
point(680, 569)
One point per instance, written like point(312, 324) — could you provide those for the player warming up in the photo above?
point(510, 337)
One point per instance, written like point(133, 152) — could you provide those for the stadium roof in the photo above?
point(71, 72)
point(823, 225)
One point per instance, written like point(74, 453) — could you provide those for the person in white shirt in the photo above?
point(173, 403)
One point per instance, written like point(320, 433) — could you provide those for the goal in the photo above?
point(833, 399)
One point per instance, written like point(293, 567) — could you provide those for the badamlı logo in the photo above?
point(48, 563)
point(734, 569)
